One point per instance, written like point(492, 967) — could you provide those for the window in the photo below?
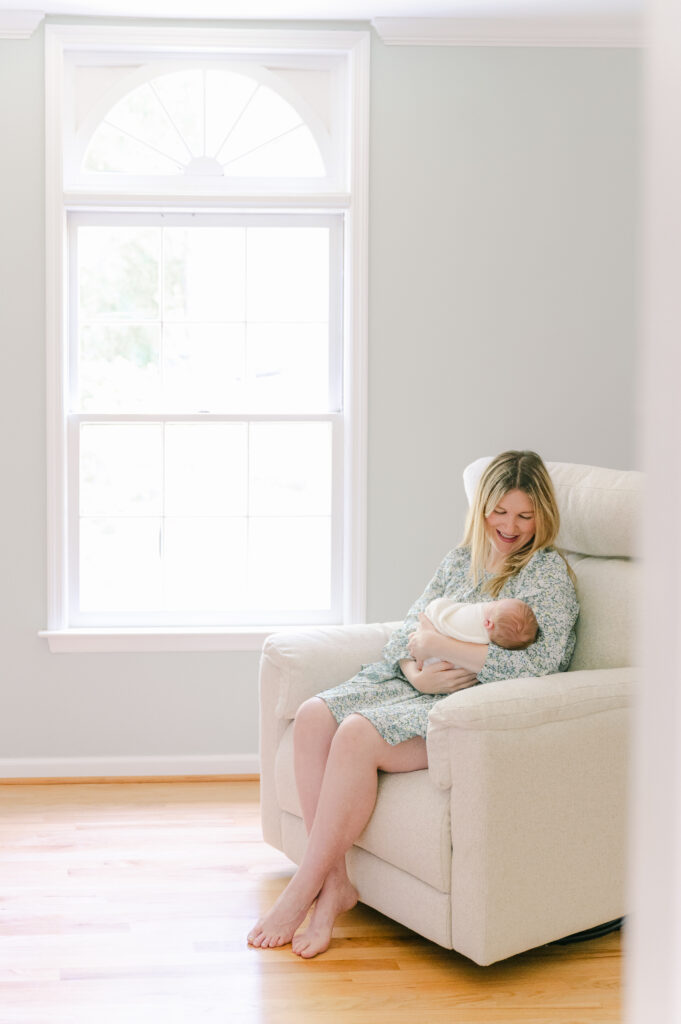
point(206, 121)
point(206, 335)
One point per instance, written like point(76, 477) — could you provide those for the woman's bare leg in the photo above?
point(314, 741)
point(314, 730)
point(338, 894)
point(346, 801)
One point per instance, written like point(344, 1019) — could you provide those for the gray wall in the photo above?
point(503, 280)
point(502, 314)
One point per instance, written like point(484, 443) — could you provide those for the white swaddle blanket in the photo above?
point(458, 619)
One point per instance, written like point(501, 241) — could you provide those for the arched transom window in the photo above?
point(205, 122)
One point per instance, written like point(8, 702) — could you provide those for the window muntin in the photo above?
point(190, 338)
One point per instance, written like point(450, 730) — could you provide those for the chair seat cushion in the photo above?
point(410, 827)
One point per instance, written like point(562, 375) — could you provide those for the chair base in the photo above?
point(591, 933)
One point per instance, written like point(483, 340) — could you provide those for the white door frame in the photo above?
point(653, 933)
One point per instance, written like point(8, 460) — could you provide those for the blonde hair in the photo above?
point(511, 471)
point(515, 626)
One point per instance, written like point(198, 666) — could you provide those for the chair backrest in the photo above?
point(600, 514)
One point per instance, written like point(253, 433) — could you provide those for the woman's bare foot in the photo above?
point(280, 923)
point(337, 895)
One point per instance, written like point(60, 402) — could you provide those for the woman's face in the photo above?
point(510, 525)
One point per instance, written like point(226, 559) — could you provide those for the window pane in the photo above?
point(204, 274)
point(227, 98)
point(118, 273)
point(266, 117)
point(181, 93)
point(295, 154)
point(121, 468)
point(142, 116)
point(288, 367)
point(288, 274)
point(120, 565)
point(206, 470)
point(119, 367)
point(205, 564)
point(290, 469)
point(111, 151)
point(290, 564)
point(204, 367)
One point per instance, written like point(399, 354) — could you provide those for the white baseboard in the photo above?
point(128, 767)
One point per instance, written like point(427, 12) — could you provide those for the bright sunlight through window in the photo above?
point(206, 322)
point(217, 511)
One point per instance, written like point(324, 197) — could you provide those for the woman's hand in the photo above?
point(438, 677)
point(424, 641)
point(427, 642)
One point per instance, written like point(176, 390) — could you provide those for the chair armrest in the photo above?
point(295, 665)
point(536, 770)
point(307, 661)
point(517, 704)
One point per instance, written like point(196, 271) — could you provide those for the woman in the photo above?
point(378, 720)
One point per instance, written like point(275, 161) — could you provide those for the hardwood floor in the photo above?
point(129, 904)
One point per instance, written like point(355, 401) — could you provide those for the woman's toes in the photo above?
point(255, 936)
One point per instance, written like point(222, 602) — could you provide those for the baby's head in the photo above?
point(510, 623)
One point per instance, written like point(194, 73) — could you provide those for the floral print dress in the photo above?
point(397, 710)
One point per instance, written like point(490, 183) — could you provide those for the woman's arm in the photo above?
point(440, 677)
point(545, 585)
point(428, 642)
point(453, 565)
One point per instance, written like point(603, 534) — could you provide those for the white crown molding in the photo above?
point(19, 24)
point(616, 31)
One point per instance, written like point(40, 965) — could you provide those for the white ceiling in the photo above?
point(363, 10)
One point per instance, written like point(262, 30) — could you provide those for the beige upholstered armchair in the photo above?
point(515, 835)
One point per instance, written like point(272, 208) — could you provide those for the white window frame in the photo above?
point(352, 202)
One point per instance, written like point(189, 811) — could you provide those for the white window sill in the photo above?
point(104, 641)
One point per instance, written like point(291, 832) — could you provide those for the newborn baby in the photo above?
point(508, 623)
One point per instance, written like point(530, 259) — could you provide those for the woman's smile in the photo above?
point(510, 525)
point(507, 539)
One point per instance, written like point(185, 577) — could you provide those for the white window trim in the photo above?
point(355, 45)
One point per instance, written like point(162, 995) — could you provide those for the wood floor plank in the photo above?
point(129, 904)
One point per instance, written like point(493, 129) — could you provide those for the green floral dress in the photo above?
point(381, 693)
